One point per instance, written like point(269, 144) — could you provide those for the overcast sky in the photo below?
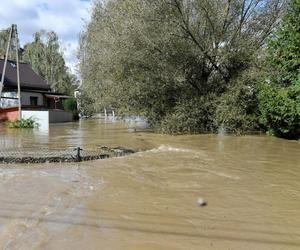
point(65, 17)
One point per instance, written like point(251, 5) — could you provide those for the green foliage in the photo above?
point(85, 104)
point(190, 116)
point(4, 34)
point(3, 41)
point(156, 58)
point(23, 123)
point(284, 47)
point(237, 110)
point(46, 58)
point(280, 109)
point(280, 97)
point(71, 106)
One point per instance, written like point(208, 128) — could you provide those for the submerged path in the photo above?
point(148, 200)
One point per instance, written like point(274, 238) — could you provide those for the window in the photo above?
point(33, 101)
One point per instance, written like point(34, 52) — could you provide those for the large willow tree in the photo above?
point(172, 60)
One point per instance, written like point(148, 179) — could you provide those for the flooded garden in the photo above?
point(148, 200)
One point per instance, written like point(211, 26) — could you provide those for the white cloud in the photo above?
point(65, 17)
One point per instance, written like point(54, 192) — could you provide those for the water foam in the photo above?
point(168, 148)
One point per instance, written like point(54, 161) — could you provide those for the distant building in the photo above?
point(36, 95)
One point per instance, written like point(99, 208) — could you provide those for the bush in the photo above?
point(23, 123)
point(280, 109)
point(71, 106)
point(237, 109)
point(86, 104)
point(190, 116)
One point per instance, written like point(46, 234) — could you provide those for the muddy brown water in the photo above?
point(149, 200)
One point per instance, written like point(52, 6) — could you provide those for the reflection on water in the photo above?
point(149, 200)
point(85, 133)
point(43, 126)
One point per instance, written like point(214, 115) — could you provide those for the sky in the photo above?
point(65, 17)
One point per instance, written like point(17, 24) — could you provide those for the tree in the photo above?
point(284, 47)
point(45, 57)
point(34, 54)
point(4, 34)
point(151, 57)
point(3, 41)
point(280, 95)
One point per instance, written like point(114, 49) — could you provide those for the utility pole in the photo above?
point(18, 68)
point(13, 34)
point(5, 61)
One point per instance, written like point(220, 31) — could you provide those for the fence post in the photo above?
point(78, 156)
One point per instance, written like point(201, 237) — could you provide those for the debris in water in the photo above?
point(201, 202)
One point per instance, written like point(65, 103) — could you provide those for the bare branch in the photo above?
point(225, 24)
point(186, 28)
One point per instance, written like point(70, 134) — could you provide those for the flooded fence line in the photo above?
point(47, 155)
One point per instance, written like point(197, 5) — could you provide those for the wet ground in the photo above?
point(149, 200)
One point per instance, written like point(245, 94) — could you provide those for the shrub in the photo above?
point(237, 109)
point(23, 123)
point(86, 104)
point(190, 116)
point(71, 106)
point(280, 109)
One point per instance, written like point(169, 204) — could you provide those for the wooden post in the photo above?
point(78, 156)
point(18, 69)
point(5, 61)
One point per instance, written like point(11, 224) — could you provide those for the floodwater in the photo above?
point(148, 200)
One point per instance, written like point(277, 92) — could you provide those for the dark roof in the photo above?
point(28, 78)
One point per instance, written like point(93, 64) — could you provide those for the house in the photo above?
point(37, 99)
